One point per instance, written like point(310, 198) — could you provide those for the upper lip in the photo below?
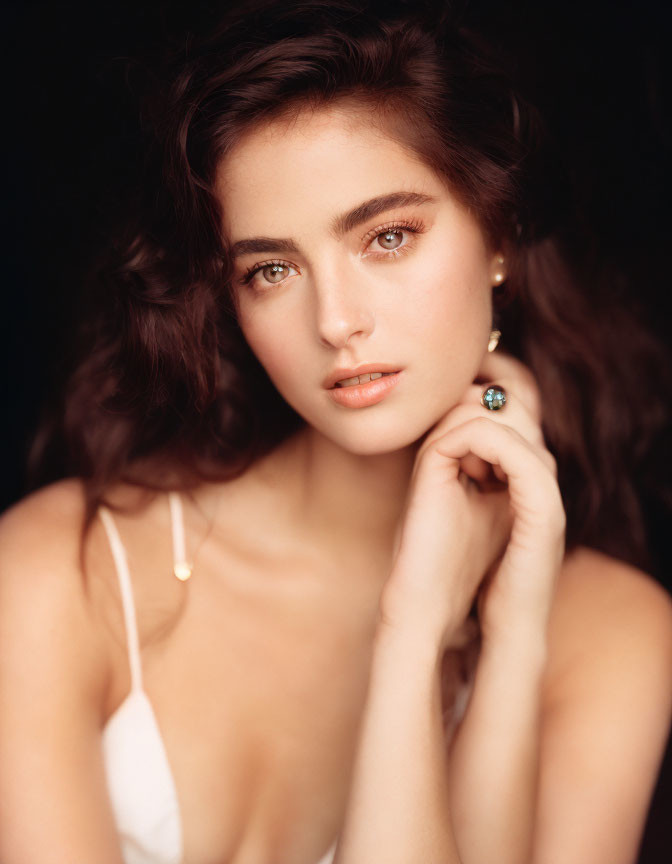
point(340, 374)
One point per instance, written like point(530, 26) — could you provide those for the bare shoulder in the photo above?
point(53, 506)
point(42, 590)
point(591, 571)
point(606, 710)
point(54, 681)
point(604, 603)
point(39, 539)
point(61, 613)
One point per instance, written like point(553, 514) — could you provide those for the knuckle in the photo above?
point(430, 453)
point(483, 422)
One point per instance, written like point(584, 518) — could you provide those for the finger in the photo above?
point(514, 414)
point(517, 405)
point(499, 473)
point(476, 468)
point(532, 487)
point(511, 373)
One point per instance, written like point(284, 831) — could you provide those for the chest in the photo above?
point(258, 691)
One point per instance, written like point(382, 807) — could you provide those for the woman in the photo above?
point(335, 597)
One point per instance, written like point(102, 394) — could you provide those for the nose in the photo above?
point(343, 310)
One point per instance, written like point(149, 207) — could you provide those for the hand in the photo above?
point(483, 511)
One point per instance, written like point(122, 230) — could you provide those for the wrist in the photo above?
point(524, 649)
point(409, 620)
point(407, 643)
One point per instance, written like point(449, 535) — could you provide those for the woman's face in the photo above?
point(346, 279)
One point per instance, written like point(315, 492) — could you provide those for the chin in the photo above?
point(374, 437)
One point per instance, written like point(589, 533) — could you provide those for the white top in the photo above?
point(139, 778)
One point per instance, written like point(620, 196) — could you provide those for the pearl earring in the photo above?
point(499, 275)
point(495, 336)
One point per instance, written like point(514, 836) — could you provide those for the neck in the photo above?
point(345, 497)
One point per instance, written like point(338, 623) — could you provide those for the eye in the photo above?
point(393, 237)
point(273, 272)
point(390, 238)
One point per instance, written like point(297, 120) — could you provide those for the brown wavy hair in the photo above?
point(168, 393)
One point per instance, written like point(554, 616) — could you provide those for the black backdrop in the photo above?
point(598, 69)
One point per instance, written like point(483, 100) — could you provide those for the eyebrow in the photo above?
point(339, 226)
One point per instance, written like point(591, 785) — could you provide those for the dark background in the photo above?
point(599, 71)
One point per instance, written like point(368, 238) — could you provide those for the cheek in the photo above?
point(276, 346)
point(447, 323)
point(448, 302)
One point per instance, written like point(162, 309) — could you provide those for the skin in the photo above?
point(420, 302)
point(326, 624)
point(425, 308)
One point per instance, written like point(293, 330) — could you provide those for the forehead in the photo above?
point(310, 166)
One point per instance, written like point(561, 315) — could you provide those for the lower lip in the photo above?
point(362, 395)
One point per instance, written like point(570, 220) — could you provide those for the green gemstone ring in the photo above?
point(494, 397)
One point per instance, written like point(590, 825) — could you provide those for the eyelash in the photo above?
point(412, 226)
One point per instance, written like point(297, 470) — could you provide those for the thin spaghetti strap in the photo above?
point(181, 567)
point(126, 588)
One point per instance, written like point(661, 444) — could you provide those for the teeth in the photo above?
point(361, 379)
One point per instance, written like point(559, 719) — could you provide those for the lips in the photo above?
point(366, 393)
point(359, 375)
point(361, 379)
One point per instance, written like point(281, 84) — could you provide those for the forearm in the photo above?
point(408, 802)
point(398, 807)
point(494, 756)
